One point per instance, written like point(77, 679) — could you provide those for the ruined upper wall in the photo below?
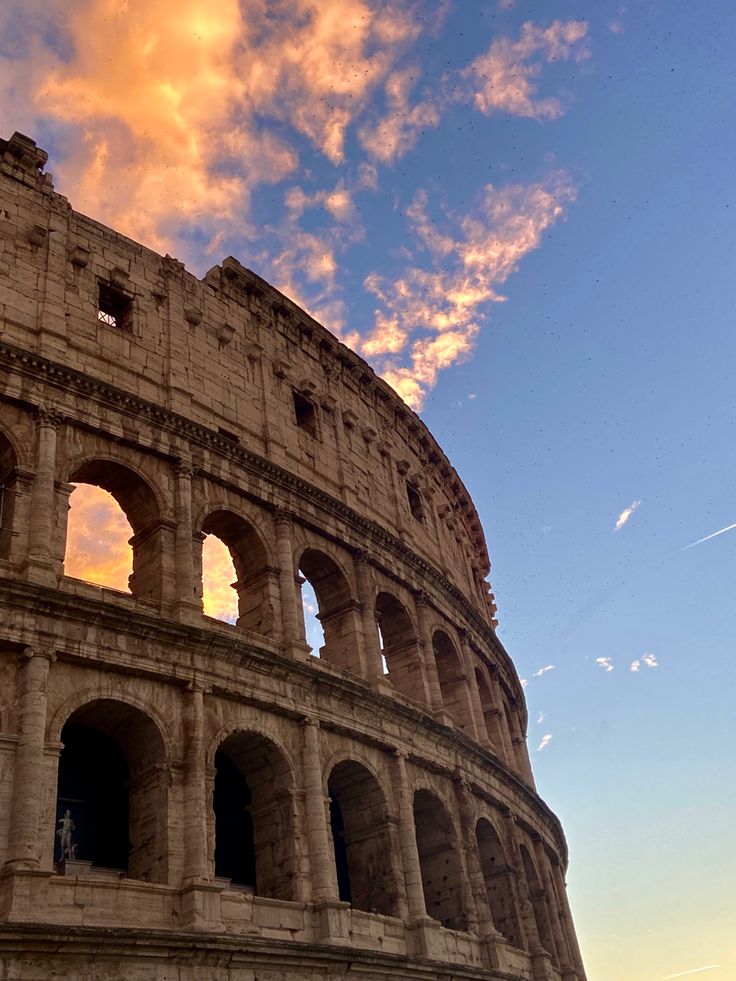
point(231, 353)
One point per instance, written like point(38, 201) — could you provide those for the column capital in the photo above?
point(184, 468)
point(283, 516)
point(47, 417)
point(310, 720)
point(46, 653)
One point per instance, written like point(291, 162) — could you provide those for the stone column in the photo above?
point(24, 838)
point(506, 747)
point(371, 647)
point(324, 876)
point(196, 859)
point(287, 581)
point(553, 913)
point(566, 917)
point(43, 503)
point(520, 749)
point(408, 840)
point(186, 594)
point(472, 682)
point(430, 665)
point(482, 922)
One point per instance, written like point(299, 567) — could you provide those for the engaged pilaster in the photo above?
point(24, 844)
point(43, 510)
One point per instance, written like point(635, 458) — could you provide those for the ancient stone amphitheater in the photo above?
point(183, 799)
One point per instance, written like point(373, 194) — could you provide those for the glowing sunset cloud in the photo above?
point(219, 599)
point(98, 533)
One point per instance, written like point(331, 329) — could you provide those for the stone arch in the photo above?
point(142, 505)
point(9, 458)
point(362, 841)
point(536, 894)
point(498, 877)
point(256, 582)
point(109, 693)
point(113, 778)
point(400, 646)
point(253, 804)
point(453, 684)
point(439, 861)
point(338, 611)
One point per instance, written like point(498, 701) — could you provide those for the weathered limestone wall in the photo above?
point(185, 411)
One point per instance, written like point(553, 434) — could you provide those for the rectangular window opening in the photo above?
point(114, 308)
point(305, 414)
point(416, 505)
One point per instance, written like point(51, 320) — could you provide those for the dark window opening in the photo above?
point(416, 505)
point(235, 852)
point(305, 414)
point(94, 790)
point(341, 852)
point(114, 308)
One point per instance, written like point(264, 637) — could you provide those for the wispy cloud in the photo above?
point(545, 740)
point(504, 78)
point(403, 123)
point(707, 538)
point(544, 670)
point(605, 663)
point(626, 514)
point(430, 315)
point(695, 970)
point(540, 718)
point(635, 665)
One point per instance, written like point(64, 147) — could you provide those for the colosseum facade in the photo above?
point(244, 808)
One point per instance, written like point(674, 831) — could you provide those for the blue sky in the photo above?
point(357, 155)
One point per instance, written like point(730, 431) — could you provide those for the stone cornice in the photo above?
point(70, 380)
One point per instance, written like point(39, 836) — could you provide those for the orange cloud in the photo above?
point(503, 79)
point(166, 99)
point(98, 534)
point(447, 299)
point(219, 599)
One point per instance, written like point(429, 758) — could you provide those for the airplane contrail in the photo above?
point(708, 537)
point(708, 967)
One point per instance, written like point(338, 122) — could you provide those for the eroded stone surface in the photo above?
point(218, 406)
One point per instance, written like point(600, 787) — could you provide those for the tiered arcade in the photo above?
point(244, 808)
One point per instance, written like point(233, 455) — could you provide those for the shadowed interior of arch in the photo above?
point(113, 790)
point(361, 840)
point(254, 816)
point(498, 880)
point(439, 861)
point(98, 537)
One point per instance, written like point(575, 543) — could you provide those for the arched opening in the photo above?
point(337, 610)
point(452, 681)
point(98, 539)
point(254, 821)
point(490, 716)
point(8, 479)
point(237, 584)
point(398, 641)
point(111, 807)
point(536, 898)
point(439, 861)
point(96, 526)
point(362, 840)
point(499, 883)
